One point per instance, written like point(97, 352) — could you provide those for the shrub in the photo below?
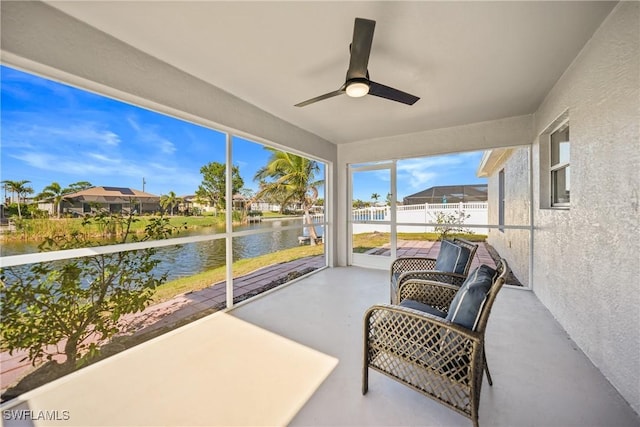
point(450, 223)
point(77, 303)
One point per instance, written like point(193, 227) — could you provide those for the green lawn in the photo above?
point(240, 268)
point(278, 215)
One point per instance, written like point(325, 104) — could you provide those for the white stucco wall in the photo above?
point(587, 259)
point(512, 245)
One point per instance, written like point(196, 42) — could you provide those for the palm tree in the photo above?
point(169, 201)
point(56, 192)
point(375, 197)
point(20, 188)
point(272, 196)
point(292, 179)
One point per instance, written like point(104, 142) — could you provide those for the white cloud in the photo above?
point(37, 160)
point(102, 158)
point(133, 123)
point(166, 146)
point(162, 168)
point(421, 173)
point(110, 138)
point(418, 173)
point(56, 150)
point(86, 133)
point(27, 132)
point(70, 164)
point(148, 135)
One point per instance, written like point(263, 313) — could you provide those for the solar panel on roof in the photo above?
point(121, 190)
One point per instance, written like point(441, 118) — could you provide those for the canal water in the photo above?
point(191, 258)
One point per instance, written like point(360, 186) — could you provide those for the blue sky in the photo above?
point(414, 175)
point(53, 132)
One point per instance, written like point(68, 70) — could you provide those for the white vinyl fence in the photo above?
point(469, 213)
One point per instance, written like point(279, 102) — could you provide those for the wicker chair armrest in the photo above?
point(435, 294)
point(433, 275)
point(385, 315)
point(402, 264)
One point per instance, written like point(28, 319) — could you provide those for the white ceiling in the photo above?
point(468, 61)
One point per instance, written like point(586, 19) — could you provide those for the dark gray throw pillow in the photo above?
point(452, 258)
point(468, 301)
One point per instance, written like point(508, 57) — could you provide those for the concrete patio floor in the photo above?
point(540, 377)
point(191, 305)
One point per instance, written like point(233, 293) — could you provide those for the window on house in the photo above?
point(501, 200)
point(559, 167)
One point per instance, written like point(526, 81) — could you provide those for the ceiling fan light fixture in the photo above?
point(357, 88)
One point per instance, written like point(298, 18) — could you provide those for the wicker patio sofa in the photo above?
point(439, 353)
point(451, 266)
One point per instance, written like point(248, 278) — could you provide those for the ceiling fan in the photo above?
point(357, 83)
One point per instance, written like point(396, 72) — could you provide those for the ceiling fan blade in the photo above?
point(376, 89)
point(360, 48)
point(321, 97)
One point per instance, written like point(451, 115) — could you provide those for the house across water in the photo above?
point(111, 199)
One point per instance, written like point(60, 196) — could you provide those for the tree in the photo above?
point(375, 197)
point(77, 303)
point(79, 186)
point(249, 199)
point(292, 179)
point(20, 188)
point(56, 193)
point(169, 201)
point(213, 187)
